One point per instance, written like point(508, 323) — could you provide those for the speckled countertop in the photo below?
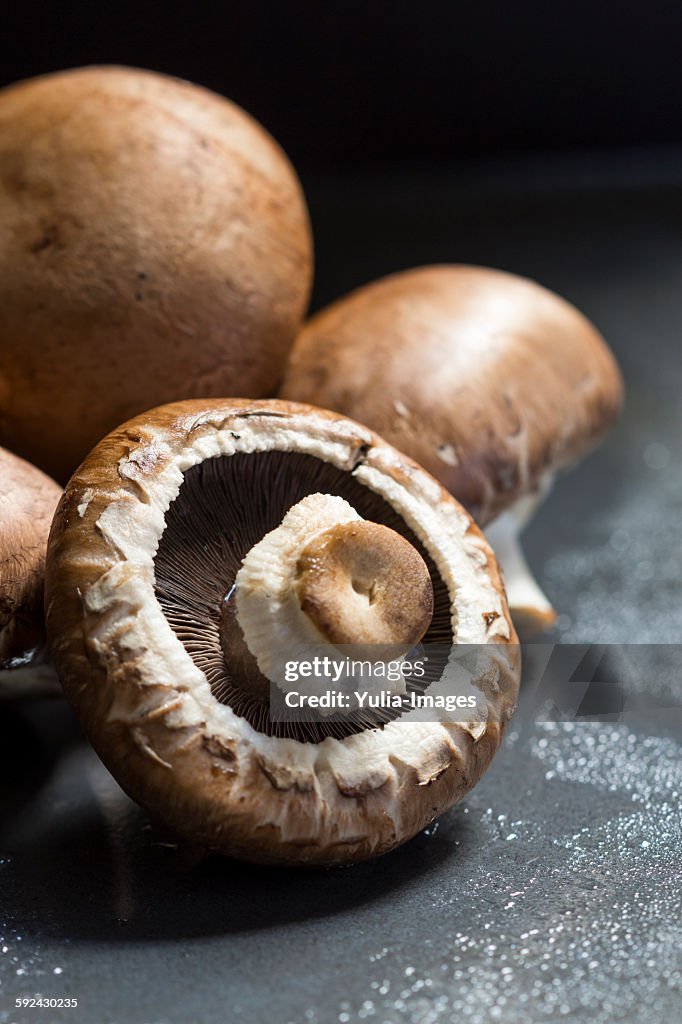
point(554, 892)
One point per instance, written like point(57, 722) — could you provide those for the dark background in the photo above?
point(349, 84)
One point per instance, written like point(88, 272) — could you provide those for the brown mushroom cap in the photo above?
point(154, 245)
point(488, 380)
point(145, 547)
point(28, 499)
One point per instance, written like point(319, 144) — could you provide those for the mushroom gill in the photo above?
point(226, 505)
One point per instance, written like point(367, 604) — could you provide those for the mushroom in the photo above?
point(28, 499)
point(201, 536)
point(491, 382)
point(155, 245)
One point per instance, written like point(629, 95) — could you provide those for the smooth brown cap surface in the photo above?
point(154, 246)
point(486, 379)
point(28, 499)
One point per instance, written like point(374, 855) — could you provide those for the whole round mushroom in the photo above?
point(490, 381)
point(154, 245)
point(28, 499)
point(204, 540)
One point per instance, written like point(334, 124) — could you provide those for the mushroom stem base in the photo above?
point(531, 611)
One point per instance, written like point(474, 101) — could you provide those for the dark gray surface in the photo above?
point(554, 891)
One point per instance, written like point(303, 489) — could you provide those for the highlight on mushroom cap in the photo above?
point(191, 526)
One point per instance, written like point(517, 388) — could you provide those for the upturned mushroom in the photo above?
point(28, 499)
point(154, 245)
point(201, 541)
point(491, 382)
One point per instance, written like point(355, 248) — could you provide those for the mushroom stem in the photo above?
point(327, 576)
point(530, 609)
point(362, 583)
